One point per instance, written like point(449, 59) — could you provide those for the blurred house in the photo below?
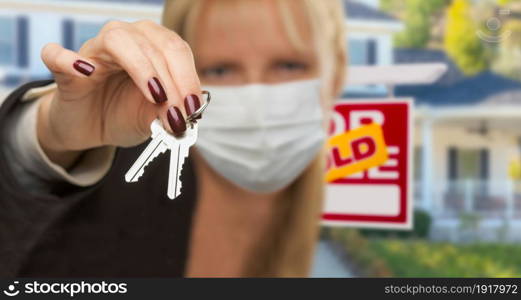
point(468, 139)
point(27, 25)
point(370, 40)
point(467, 131)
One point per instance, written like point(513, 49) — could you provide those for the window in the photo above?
point(362, 52)
point(75, 34)
point(468, 163)
point(14, 41)
point(7, 41)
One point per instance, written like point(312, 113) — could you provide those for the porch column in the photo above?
point(427, 164)
point(509, 200)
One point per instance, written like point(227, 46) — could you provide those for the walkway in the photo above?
point(328, 264)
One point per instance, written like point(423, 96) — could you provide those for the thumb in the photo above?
point(67, 66)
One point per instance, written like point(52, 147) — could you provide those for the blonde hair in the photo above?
point(327, 20)
point(288, 251)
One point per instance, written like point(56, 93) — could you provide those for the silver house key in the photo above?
point(153, 149)
point(179, 147)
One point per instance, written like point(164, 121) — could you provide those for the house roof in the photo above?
point(360, 11)
point(485, 88)
point(453, 88)
point(414, 56)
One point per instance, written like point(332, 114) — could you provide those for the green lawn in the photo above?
point(416, 257)
point(420, 258)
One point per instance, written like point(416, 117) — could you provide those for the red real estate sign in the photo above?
point(370, 195)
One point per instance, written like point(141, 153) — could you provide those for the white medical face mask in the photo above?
point(261, 137)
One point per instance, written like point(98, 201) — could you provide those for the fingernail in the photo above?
point(83, 67)
point(176, 120)
point(157, 91)
point(192, 104)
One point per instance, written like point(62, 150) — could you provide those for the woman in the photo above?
point(252, 185)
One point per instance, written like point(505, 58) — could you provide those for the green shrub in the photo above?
point(374, 256)
point(418, 258)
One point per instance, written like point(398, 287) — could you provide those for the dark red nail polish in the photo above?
point(176, 120)
point(83, 67)
point(157, 91)
point(192, 104)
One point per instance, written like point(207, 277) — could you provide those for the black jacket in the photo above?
point(111, 229)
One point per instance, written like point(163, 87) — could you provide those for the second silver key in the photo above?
point(179, 150)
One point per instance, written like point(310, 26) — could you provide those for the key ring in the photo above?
point(197, 114)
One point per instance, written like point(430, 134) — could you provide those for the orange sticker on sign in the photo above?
point(355, 151)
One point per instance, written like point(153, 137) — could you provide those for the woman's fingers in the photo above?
point(182, 67)
point(170, 112)
point(67, 66)
point(159, 63)
point(179, 62)
point(116, 47)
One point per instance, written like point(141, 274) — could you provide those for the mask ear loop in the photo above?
point(192, 119)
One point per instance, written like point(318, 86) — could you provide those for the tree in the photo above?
point(417, 26)
point(508, 62)
point(461, 41)
point(508, 59)
point(418, 18)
